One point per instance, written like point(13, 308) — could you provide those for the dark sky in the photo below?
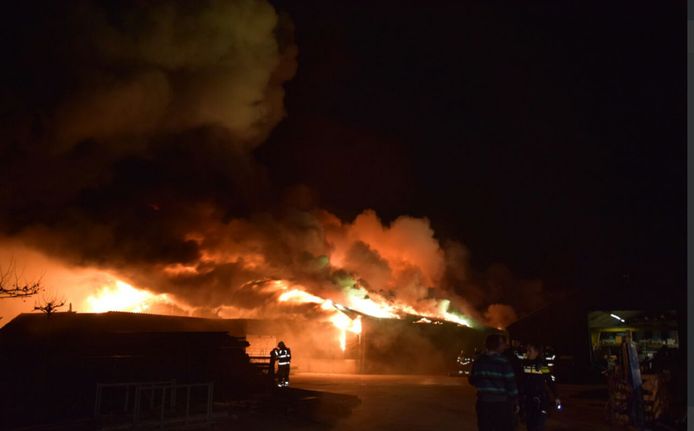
point(548, 136)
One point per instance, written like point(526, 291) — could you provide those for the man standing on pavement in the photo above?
point(497, 393)
point(283, 356)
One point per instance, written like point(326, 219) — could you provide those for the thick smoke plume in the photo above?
point(127, 146)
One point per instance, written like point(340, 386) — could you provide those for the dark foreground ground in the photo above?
point(358, 402)
point(338, 402)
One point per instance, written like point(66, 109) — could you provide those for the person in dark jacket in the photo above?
point(282, 355)
point(497, 394)
point(537, 384)
point(514, 357)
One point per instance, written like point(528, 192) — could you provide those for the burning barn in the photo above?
point(171, 200)
point(331, 337)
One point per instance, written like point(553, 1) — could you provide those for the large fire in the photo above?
point(346, 318)
point(164, 204)
point(121, 296)
point(338, 317)
point(357, 306)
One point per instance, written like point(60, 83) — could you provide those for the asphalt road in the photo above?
point(400, 403)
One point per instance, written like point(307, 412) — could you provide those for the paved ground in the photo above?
point(412, 403)
point(334, 402)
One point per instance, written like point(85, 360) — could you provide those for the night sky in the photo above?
point(546, 136)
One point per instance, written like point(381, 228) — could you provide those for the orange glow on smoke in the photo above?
point(361, 268)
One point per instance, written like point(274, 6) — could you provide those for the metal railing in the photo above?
point(261, 362)
point(126, 389)
point(154, 404)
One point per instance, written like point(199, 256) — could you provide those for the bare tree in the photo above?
point(14, 285)
point(49, 305)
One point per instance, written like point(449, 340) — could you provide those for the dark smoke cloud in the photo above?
point(127, 146)
point(129, 115)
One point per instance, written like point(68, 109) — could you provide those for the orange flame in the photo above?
point(299, 296)
point(122, 296)
point(344, 324)
point(339, 319)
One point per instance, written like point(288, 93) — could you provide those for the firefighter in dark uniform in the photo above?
point(536, 384)
point(283, 357)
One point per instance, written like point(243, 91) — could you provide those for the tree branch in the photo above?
point(13, 285)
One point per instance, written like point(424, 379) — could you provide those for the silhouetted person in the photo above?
point(497, 393)
point(514, 356)
point(283, 356)
point(537, 382)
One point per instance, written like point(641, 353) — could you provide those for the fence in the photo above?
point(262, 363)
point(162, 405)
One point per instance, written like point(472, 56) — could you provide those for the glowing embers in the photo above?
point(120, 296)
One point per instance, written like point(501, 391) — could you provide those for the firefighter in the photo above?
point(465, 362)
point(537, 383)
point(283, 356)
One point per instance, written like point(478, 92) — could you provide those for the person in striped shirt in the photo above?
point(497, 393)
